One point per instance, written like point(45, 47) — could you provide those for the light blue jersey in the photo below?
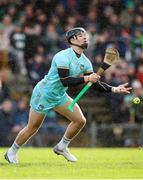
point(50, 92)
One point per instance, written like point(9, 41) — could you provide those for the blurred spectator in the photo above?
point(33, 35)
point(8, 25)
point(92, 32)
point(21, 114)
point(29, 12)
point(139, 7)
point(114, 26)
point(91, 18)
point(137, 43)
point(6, 121)
point(4, 91)
point(71, 5)
point(138, 23)
point(71, 21)
point(42, 20)
point(117, 107)
point(104, 17)
point(127, 16)
point(36, 69)
point(12, 12)
point(101, 43)
point(60, 13)
point(17, 39)
point(51, 39)
point(139, 68)
point(135, 111)
point(21, 19)
point(4, 46)
point(56, 22)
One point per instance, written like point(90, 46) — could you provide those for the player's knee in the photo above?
point(82, 121)
point(32, 129)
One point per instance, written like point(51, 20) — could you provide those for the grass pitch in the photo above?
point(92, 164)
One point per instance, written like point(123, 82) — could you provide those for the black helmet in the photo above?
point(74, 31)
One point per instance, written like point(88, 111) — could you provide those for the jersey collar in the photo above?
point(75, 54)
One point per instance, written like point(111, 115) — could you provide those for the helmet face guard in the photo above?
point(73, 32)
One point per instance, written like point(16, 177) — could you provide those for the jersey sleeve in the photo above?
point(88, 67)
point(61, 61)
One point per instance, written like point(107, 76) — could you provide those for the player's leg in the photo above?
point(76, 117)
point(34, 122)
point(77, 123)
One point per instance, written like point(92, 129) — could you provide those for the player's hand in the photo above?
point(122, 89)
point(92, 78)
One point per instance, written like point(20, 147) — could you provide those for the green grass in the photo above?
point(92, 164)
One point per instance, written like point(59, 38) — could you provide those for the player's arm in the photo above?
point(104, 87)
point(101, 86)
point(68, 81)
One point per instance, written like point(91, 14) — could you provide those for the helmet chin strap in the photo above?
point(81, 46)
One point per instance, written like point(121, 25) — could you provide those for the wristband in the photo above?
point(115, 90)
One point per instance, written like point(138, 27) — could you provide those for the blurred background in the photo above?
point(32, 31)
